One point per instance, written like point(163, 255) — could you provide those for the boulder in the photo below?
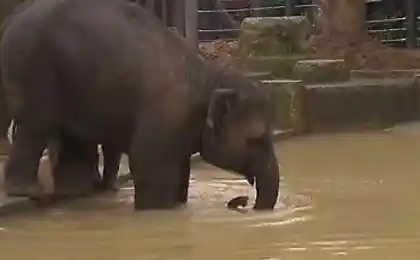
point(272, 36)
point(321, 71)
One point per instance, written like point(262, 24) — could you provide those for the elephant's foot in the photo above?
point(184, 182)
point(102, 186)
point(154, 196)
point(5, 146)
point(182, 194)
point(34, 191)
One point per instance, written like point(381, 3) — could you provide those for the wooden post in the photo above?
point(164, 12)
point(411, 23)
point(178, 9)
point(191, 22)
point(290, 7)
point(150, 5)
point(256, 4)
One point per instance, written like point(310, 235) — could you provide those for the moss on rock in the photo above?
point(268, 36)
point(287, 100)
point(319, 71)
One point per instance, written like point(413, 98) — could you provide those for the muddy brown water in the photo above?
point(343, 196)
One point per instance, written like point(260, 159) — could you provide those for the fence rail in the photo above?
point(232, 33)
point(398, 32)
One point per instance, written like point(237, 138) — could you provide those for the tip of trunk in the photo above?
point(267, 186)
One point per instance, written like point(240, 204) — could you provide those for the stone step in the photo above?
point(350, 105)
point(286, 101)
point(360, 104)
point(378, 74)
point(321, 71)
point(279, 66)
point(259, 75)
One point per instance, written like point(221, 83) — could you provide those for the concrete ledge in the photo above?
point(379, 74)
point(287, 103)
point(259, 75)
point(319, 71)
point(279, 66)
point(362, 104)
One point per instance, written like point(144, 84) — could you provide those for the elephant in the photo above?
point(108, 71)
point(111, 157)
point(6, 9)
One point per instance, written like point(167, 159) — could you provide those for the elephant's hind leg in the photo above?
point(75, 167)
point(31, 87)
point(21, 169)
point(112, 158)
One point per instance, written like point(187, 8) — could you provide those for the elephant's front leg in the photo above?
point(184, 181)
point(155, 163)
point(5, 120)
point(75, 168)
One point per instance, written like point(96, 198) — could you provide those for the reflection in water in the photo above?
point(347, 196)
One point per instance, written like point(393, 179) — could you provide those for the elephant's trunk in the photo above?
point(267, 185)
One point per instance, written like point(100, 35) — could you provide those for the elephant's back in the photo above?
point(56, 51)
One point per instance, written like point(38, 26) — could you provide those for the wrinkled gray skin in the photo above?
point(107, 181)
point(108, 71)
point(6, 8)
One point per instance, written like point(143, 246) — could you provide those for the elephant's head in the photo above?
point(237, 137)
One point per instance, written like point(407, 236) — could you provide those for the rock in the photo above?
point(268, 36)
point(288, 100)
point(321, 71)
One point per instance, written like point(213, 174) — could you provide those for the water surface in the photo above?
point(343, 196)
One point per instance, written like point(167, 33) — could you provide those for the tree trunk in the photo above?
point(256, 4)
point(341, 33)
point(342, 17)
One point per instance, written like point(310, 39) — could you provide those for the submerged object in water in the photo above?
point(235, 203)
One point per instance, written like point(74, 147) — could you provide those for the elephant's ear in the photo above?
point(220, 104)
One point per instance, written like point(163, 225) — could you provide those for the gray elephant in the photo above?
point(6, 8)
point(107, 71)
point(58, 150)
